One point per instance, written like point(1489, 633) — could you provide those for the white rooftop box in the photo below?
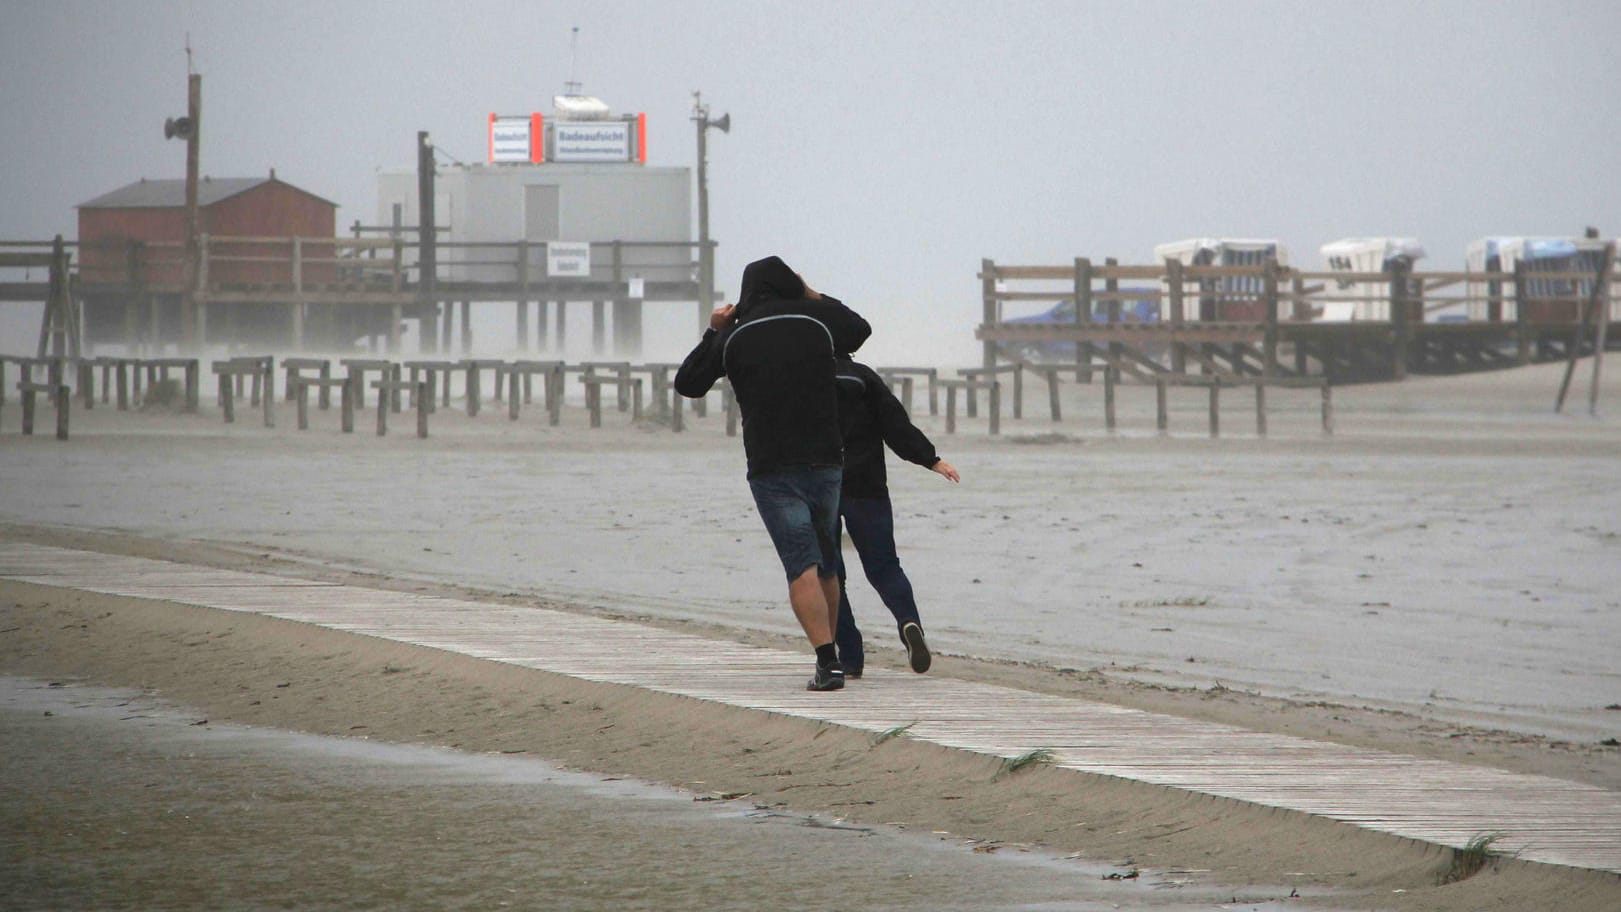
point(1550, 297)
point(1360, 300)
point(1230, 297)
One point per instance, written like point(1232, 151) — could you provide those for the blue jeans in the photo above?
point(800, 508)
point(871, 522)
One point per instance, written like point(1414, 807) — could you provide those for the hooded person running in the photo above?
point(871, 417)
point(777, 346)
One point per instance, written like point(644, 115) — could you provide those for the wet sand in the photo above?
point(120, 801)
point(244, 669)
point(1452, 553)
point(1438, 578)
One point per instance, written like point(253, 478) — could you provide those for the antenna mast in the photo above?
point(572, 86)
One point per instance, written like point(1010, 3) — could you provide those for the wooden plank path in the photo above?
point(1543, 819)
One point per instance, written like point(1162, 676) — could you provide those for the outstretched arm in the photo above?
point(895, 426)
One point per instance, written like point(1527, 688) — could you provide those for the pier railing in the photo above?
point(1147, 319)
point(279, 268)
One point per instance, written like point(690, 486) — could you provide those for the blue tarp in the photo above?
point(1534, 249)
point(1142, 310)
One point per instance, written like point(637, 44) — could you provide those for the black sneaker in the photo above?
point(827, 679)
point(916, 649)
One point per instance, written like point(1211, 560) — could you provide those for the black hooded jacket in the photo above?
point(870, 417)
point(778, 356)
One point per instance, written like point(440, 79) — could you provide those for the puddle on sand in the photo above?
point(113, 800)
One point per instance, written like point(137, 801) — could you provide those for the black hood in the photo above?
point(769, 278)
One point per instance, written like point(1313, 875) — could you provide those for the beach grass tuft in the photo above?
point(889, 733)
point(1030, 758)
point(1474, 856)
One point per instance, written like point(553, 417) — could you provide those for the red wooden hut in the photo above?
point(131, 246)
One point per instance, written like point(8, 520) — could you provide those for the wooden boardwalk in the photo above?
point(1543, 819)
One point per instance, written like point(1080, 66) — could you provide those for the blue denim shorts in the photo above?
point(800, 507)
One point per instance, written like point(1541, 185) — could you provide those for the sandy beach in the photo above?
point(1439, 577)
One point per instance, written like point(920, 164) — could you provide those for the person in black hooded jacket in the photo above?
point(870, 417)
point(776, 346)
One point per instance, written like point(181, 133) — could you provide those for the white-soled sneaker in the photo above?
point(917, 650)
point(827, 678)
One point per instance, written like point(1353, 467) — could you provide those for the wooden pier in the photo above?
point(332, 293)
point(1268, 320)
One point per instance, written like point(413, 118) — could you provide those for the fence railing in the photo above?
point(307, 263)
point(1172, 292)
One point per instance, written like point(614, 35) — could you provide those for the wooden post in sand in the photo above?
point(1400, 319)
point(1522, 316)
point(227, 398)
point(1083, 316)
point(347, 408)
point(1597, 309)
point(1179, 350)
point(1108, 397)
point(1603, 317)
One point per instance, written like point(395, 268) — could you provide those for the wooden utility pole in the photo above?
point(188, 288)
point(706, 250)
point(427, 249)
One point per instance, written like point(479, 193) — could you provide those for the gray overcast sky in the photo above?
point(882, 148)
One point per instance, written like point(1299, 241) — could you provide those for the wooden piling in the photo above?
point(1018, 391)
point(227, 398)
point(989, 315)
point(1108, 397)
point(64, 399)
point(1602, 315)
point(1083, 315)
point(1596, 310)
point(1179, 350)
point(87, 384)
point(1522, 316)
point(1269, 342)
point(1400, 318)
